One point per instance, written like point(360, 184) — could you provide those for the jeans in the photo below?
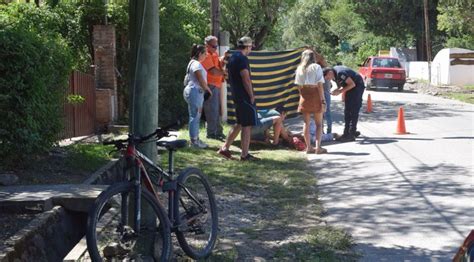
point(194, 96)
point(327, 114)
point(212, 111)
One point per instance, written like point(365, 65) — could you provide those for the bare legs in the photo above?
point(318, 120)
point(307, 137)
point(233, 133)
point(245, 140)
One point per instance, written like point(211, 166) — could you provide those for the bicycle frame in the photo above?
point(137, 160)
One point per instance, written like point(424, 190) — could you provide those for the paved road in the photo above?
point(403, 197)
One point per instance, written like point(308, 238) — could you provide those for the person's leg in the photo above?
point(307, 137)
point(318, 120)
point(211, 109)
point(277, 127)
point(219, 128)
point(354, 118)
point(194, 101)
point(327, 114)
point(347, 117)
point(285, 134)
point(233, 133)
point(245, 140)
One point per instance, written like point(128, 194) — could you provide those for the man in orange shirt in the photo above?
point(215, 77)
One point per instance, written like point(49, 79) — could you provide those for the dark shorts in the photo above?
point(246, 114)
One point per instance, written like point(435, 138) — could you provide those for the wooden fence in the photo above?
point(79, 118)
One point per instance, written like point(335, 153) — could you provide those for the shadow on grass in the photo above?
point(261, 204)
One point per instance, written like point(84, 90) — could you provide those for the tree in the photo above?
point(254, 18)
point(456, 18)
point(401, 20)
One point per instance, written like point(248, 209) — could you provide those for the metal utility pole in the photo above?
point(427, 38)
point(144, 55)
point(215, 18)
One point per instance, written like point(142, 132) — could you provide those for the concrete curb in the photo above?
point(52, 235)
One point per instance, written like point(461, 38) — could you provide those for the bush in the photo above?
point(34, 70)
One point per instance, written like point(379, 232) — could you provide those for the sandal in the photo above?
point(321, 151)
point(311, 151)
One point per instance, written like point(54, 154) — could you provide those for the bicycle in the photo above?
point(115, 233)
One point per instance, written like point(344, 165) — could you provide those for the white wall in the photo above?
point(461, 74)
point(417, 70)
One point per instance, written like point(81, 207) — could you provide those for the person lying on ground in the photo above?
point(266, 120)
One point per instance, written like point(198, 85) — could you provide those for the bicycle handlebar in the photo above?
point(159, 133)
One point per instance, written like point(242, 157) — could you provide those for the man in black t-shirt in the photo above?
point(352, 83)
point(238, 69)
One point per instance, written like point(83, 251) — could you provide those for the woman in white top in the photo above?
point(309, 78)
point(194, 92)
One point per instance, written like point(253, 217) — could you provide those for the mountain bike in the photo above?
point(117, 227)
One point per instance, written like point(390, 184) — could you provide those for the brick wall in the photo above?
point(103, 107)
point(104, 60)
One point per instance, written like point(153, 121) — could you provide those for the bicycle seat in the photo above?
point(173, 145)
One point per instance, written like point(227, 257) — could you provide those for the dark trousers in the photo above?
point(352, 105)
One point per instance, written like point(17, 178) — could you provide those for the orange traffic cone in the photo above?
point(369, 105)
point(401, 123)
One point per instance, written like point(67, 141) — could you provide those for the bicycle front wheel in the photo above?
point(196, 214)
point(110, 233)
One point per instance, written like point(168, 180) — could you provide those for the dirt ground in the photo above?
point(425, 88)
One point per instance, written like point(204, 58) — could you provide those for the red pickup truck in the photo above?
point(378, 71)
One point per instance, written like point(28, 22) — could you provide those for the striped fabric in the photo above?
point(273, 76)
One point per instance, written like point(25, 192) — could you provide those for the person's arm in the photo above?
point(349, 85)
point(202, 81)
point(245, 74)
point(321, 95)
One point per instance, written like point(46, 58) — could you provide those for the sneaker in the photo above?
point(199, 144)
point(249, 157)
point(221, 136)
point(225, 153)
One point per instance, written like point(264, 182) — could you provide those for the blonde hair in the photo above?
point(307, 58)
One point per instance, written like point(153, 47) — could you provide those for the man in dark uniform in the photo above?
point(244, 100)
point(352, 84)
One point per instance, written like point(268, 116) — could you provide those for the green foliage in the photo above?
point(87, 157)
point(182, 23)
point(72, 21)
point(456, 18)
point(34, 70)
point(253, 18)
point(75, 99)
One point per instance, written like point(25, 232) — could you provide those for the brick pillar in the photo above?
point(106, 80)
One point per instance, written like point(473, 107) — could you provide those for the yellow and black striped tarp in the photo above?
point(273, 76)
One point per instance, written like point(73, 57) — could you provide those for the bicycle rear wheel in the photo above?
point(196, 214)
point(110, 233)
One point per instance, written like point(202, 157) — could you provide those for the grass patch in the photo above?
point(464, 97)
point(87, 157)
point(282, 177)
point(323, 243)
